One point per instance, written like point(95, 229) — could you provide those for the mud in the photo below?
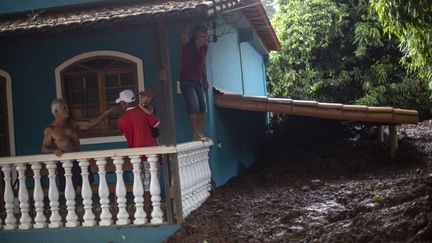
point(334, 191)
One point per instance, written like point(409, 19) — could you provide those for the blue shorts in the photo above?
point(194, 96)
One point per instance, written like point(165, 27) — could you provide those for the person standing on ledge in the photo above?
point(193, 77)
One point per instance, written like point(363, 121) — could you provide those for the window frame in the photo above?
point(92, 55)
point(9, 109)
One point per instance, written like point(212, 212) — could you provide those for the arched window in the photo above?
point(91, 86)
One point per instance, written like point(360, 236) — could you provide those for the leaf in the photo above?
point(377, 198)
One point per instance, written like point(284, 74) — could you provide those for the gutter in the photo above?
point(334, 111)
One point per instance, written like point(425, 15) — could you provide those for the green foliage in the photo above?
point(335, 51)
point(302, 27)
point(411, 22)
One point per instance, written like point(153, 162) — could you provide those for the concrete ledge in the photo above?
point(92, 234)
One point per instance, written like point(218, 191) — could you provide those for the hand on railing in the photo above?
point(58, 152)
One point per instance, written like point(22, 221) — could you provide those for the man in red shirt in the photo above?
point(193, 77)
point(136, 124)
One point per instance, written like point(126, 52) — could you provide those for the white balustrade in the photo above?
point(53, 196)
point(189, 181)
point(182, 178)
point(71, 217)
point(201, 180)
point(157, 214)
point(184, 182)
point(105, 216)
point(86, 193)
point(138, 191)
point(122, 215)
point(40, 219)
point(23, 197)
point(207, 173)
point(196, 179)
point(194, 174)
point(194, 184)
point(10, 221)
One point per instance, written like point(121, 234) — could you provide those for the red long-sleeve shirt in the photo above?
point(136, 126)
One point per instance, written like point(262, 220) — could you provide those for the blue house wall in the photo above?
point(254, 82)
point(32, 65)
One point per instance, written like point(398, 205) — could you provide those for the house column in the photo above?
point(164, 84)
point(168, 133)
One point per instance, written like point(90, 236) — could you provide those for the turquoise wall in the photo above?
point(32, 65)
point(239, 134)
point(11, 6)
point(254, 82)
point(224, 64)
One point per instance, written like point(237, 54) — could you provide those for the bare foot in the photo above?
point(199, 138)
point(204, 137)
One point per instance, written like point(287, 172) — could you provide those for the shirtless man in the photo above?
point(62, 135)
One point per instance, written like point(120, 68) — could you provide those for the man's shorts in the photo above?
point(194, 96)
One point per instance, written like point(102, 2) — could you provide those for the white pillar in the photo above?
point(184, 182)
point(86, 193)
point(202, 177)
point(207, 173)
point(53, 196)
point(122, 215)
point(38, 196)
point(138, 191)
point(25, 220)
point(14, 176)
point(193, 160)
point(71, 217)
point(157, 214)
point(195, 178)
point(182, 175)
point(105, 216)
point(10, 221)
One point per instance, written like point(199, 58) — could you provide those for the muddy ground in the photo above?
point(343, 189)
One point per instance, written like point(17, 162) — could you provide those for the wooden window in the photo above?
point(4, 126)
point(92, 85)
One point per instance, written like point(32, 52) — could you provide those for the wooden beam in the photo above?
point(164, 84)
point(161, 100)
point(165, 95)
point(167, 84)
point(167, 186)
point(178, 207)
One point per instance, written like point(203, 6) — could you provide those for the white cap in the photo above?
point(126, 95)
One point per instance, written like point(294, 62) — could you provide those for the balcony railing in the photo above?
point(109, 201)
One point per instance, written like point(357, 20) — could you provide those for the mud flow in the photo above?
point(337, 189)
